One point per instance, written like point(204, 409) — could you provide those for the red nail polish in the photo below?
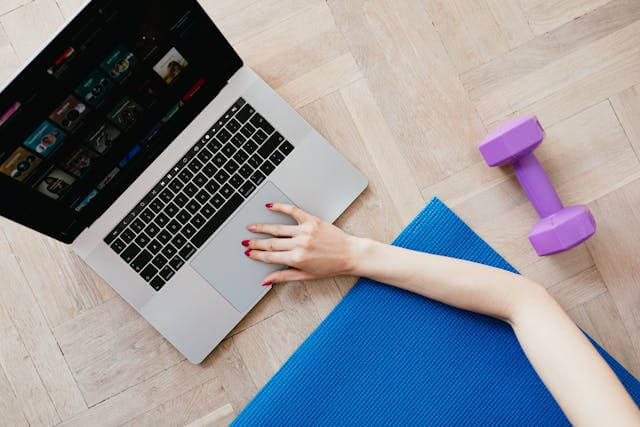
point(267, 284)
point(247, 252)
point(245, 243)
point(269, 205)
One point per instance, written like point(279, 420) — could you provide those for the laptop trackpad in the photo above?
point(223, 263)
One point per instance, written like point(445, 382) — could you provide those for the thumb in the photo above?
point(289, 275)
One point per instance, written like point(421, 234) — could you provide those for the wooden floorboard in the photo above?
point(405, 89)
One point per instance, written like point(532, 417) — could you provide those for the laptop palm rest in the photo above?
point(222, 262)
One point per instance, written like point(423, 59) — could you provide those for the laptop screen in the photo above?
point(100, 103)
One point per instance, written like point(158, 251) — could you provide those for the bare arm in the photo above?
point(582, 383)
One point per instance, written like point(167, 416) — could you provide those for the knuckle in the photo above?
point(297, 257)
point(305, 242)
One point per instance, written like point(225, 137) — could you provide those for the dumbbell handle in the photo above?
point(537, 185)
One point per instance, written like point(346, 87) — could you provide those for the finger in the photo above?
point(285, 244)
point(282, 258)
point(290, 275)
point(293, 211)
point(274, 229)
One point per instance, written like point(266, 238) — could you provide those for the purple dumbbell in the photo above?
point(559, 228)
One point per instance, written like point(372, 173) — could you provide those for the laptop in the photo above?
point(139, 137)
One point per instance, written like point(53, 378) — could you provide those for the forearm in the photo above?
point(467, 285)
point(579, 379)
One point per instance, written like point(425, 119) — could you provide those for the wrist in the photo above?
point(359, 249)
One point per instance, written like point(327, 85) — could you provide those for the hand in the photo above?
point(313, 248)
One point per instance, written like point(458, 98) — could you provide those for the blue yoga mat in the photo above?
point(388, 357)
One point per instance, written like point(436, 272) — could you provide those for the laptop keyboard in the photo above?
point(200, 192)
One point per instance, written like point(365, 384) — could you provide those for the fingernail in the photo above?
point(267, 284)
point(251, 227)
point(245, 243)
point(247, 252)
point(269, 205)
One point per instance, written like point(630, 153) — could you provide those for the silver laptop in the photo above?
point(138, 136)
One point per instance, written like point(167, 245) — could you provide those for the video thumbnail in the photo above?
point(107, 179)
point(102, 139)
point(126, 113)
point(94, 89)
point(9, 113)
point(55, 184)
point(171, 65)
point(46, 139)
point(61, 64)
point(70, 113)
point(119, 64)
point(83, 204)
point(20, 164)
point(79, 161)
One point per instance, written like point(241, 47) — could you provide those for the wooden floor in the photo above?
point(405, 89)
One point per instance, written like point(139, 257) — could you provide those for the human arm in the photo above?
point(579, 379)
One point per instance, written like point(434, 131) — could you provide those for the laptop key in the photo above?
point(149, 273)
point(195, 166)
point(167, 273)
point(176, 263)
point(221, 176)
point(183, 216)
point(276, 158)
point(142, 240)
point(193, 206)
point(197, 221)
point(174, 226)
point(247, 130)
point(223, 135)
point(127, 235)
point(217, 220)
point(141, 260)
point(157, 283)
point(231, 166)
point(162, 219)
point(118, 245)
point(257, 178)
point(261, 123)
point(226, 191)
point(214, 145)
point(151, 230)
point(137, 225)
point(267, 168)
point(175, 185)
point(247, 189)
point(270, 146)
point(219, 160)
point(164, 236)
point(212, 186)
point(238, 139)
point(169, 251)
point(200, 179)
point(255, 161)
point(188, 231)
point(229, 150)
point(205, 155)
point(202, 196)
point(207, 211)
point(190, 189)
point(236, 181)
point(178, 241)
point(233, 125)
point(181, 199)
point(156, 206)
point(171, 209)
point(185, 175)
point(286, 148)
point(245, 171)
point(209, 170)
point(130, 253)
point(217, 200)
point(187, 252)
point(260, 136)
point(147, 215)
point(155, 246)
point(245, 113)
point(159, 261)
point(250, 147)
point(240, 157)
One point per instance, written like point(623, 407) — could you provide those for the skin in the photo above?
point(579, 379)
